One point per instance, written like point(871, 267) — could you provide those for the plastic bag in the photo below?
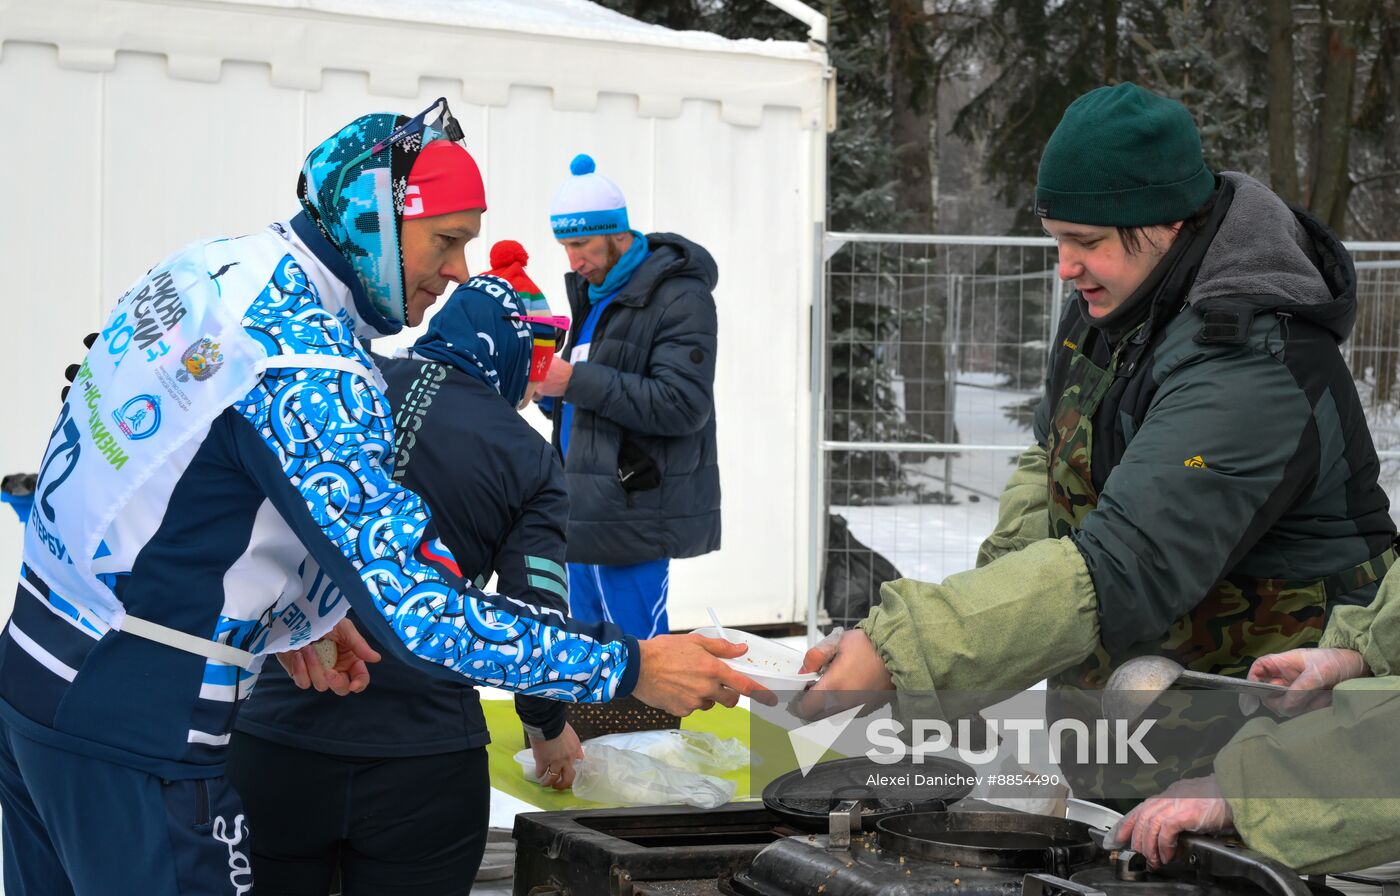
point(625, 778)
point(854, 574)
point(697, 751)
point(610, 775)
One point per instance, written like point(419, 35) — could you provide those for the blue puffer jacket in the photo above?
point(642, 467)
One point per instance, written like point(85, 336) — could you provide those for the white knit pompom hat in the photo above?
point(587, 204)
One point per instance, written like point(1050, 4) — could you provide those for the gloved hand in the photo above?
point(1309, 673)
point(72, 370)
point(17, 490)
point(822, 652)
point(1192, 805)
point(852, 670)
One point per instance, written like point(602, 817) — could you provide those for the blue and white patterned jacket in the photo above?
point(189, 523)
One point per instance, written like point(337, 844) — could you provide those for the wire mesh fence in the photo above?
point(935, 352)
point(1373, 353)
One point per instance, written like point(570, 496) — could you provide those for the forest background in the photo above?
point(944, 106)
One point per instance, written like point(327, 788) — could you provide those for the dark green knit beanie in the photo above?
point(1123, 157)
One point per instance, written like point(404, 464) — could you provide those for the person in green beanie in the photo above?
point(1202, 484)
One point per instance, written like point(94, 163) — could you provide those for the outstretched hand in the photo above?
point(683, 673)
point(1309, 673)
point(1192, 805)
point(348, 674)
point(853, 668)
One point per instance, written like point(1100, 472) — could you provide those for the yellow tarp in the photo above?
point(507, 740)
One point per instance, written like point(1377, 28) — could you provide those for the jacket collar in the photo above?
point(346, 298)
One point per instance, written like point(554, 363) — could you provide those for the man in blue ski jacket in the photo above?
point(217, 487)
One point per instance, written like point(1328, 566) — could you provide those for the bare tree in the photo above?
point(1111, 10)
point(1328, 180)
point(1283, 142)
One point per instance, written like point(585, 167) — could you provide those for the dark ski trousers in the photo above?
point(79, 826)
point(399, 826)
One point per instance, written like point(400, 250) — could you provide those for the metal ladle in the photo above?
point(1136, 684)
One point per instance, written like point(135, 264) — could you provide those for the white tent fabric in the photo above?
point(137, 126)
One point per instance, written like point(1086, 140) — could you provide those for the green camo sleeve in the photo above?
point(969, 633)
point(1294, 788)
point(1023, 516)
point(1373, 630)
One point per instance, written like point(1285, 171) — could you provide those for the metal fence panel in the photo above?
point(935, 349)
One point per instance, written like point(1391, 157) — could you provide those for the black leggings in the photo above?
point(410, 826)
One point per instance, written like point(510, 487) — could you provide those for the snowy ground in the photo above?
point(1384, 423)
point(931, 541)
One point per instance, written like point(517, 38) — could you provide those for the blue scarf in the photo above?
point(472, 333)
point(622, 271)
point(600, 297)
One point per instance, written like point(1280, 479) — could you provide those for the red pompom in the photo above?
point(507, 251)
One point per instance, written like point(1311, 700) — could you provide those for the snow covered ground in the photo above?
point(931, 541)
point(1384, 423)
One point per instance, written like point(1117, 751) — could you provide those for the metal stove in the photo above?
point(829, 833)
point(999, 853)
point(670, 850)
point(679, 851)
point(749, 850)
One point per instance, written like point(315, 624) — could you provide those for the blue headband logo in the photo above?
point(613, 220)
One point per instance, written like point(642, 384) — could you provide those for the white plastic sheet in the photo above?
point(652, 768)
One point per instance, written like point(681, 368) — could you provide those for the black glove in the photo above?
point(72, 370)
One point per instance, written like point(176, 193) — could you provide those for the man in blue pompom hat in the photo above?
point(219, 487)
point(633, 404)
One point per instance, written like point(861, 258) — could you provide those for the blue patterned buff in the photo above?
point(352, 186)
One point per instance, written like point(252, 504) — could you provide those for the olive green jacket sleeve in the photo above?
point(1023, 516)
point(1372, 630)
point(1002, 627)
point(1293, 787)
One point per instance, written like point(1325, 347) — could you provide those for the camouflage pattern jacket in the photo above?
point(1233, 478)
